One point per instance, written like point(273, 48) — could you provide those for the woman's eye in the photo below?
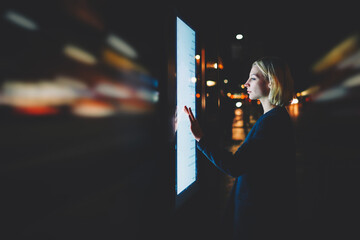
point(253, 79)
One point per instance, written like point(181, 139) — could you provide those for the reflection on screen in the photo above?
point(186, 80)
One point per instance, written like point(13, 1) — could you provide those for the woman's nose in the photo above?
point(247, 83)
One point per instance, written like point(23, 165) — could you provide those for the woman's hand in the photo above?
point(194, 124)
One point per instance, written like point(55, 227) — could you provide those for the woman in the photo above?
point(262, 204)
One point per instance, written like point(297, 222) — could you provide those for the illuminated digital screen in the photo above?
point(186, 89)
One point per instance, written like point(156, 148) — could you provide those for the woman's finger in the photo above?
point(191, 114)
point(186, 110)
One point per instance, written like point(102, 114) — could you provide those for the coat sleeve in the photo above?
point(254, 153)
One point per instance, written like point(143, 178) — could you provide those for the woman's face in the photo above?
point(257, 86)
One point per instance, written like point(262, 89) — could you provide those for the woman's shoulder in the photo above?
point(275, 113)
point(277, 116)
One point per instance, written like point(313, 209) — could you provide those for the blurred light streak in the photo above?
point(238, 112)
point(295, 101)
point(92, 108)
point(210, 83)
point(121, 46)
point(220, 64)
point(122, 63)
point(41, 97)
point(337, 54)
point(330, 94)
point(72, 83)
point(82, 10)
point(238, 131)
point(79, 54)
point(352, 62)
point(121, 91)
point(293, 110)
point(353, 81)
point(147, 95)
point(39, 110)
point(338, 91)
point(41, 93)
point(310, 90)
point(20, 20)
point(213, 65)
point(238, 96)
point(135, 106)
point(114, 90)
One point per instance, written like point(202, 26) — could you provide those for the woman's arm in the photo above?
point(258, 152)
point(251, 154)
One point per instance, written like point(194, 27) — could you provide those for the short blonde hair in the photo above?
point(277, 73)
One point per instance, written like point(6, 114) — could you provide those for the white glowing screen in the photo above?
point(186, 90)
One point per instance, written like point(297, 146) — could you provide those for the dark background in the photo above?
point(66, 176)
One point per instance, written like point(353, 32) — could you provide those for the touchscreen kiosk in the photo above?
point(186, 171)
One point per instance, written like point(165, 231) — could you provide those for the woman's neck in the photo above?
point(267, 106)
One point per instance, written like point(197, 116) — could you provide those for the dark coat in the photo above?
point(262, 203)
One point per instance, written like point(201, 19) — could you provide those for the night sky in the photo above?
point(300, 32)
